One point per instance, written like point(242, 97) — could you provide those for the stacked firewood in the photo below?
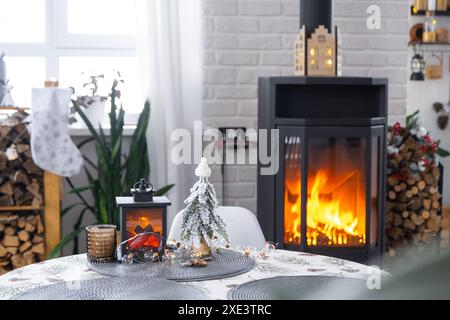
point(413, 215)
point(21, 180)
point(21, 241)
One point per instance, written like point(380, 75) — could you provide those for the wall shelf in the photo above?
point(20, 208)
point(430, 44)
point(423, 13)
point(433, 47)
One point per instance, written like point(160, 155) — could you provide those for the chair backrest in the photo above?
point(241, 224)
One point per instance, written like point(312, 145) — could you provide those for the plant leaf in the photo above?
point(67, 209)
point(76, 226)
point(443, 152)
point(412, 119)
point(80, 189)
point(138, 163)
point(56, 251)
point(84, 142)
point(164, 190)
point(78, 194)
point(88, 124)
point(90, 162)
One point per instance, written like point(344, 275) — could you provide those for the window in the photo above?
point(13, 16)
point(69, 40)
point(25, 73)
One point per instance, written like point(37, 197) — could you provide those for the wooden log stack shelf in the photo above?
point(22, 240)
point(414, 206)
point(414, 211)
point(30, 223)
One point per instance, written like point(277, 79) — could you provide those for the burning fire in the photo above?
point(150, 230)
point(331, 214)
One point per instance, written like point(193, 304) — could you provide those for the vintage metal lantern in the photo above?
point(417, 66)
point(143, 219)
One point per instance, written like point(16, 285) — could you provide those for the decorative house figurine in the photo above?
point(321, 55)
point(317, 52)
point(143, 220)
point(299, 53)
point(317, 55)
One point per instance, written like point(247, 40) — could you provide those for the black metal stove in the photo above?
point(328, 195)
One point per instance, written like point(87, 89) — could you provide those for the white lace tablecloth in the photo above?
point(280, 263)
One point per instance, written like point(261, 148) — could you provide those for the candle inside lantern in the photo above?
point(101, 242)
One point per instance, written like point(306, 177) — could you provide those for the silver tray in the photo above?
point(226, 264)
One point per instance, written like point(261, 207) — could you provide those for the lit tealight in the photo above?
point(329, 63)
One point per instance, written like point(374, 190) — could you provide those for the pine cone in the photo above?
point(442, 121)
point(438, 107)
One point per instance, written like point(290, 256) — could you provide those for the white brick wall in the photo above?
point(247, 39)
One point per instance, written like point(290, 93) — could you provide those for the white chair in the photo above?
point(241, 224)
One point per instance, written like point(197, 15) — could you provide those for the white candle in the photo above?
point(432, 5)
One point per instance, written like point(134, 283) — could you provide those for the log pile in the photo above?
point(413, 212)
point(21, 181)
point(21, 241)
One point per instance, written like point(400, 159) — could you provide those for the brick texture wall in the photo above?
point(247, 39)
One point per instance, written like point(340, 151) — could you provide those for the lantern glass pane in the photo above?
point(145, 222)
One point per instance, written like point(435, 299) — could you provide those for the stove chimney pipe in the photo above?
point(314, 13)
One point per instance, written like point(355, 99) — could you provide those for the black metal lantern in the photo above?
point(142, 191)
point(417, 66)
point(143, 223)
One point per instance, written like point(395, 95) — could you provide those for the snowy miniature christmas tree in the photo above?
point(200, 221)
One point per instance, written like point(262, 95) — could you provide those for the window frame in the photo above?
point(64, 39)
point(59, 43)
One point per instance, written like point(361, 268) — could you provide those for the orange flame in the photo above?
point(330, 220)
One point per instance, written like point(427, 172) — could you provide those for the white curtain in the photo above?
point(169, 47)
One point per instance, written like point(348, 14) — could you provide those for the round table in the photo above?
point(279, 263)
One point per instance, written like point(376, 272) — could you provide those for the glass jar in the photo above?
point(101, 242)
point(429, 28)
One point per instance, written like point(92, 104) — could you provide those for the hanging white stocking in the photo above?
point(51, 146)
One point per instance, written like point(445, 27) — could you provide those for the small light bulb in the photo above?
point(312, 52)
point(434, 21)
point(329, 52)
point(313, 62)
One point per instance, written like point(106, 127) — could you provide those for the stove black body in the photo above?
point(346, 108)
